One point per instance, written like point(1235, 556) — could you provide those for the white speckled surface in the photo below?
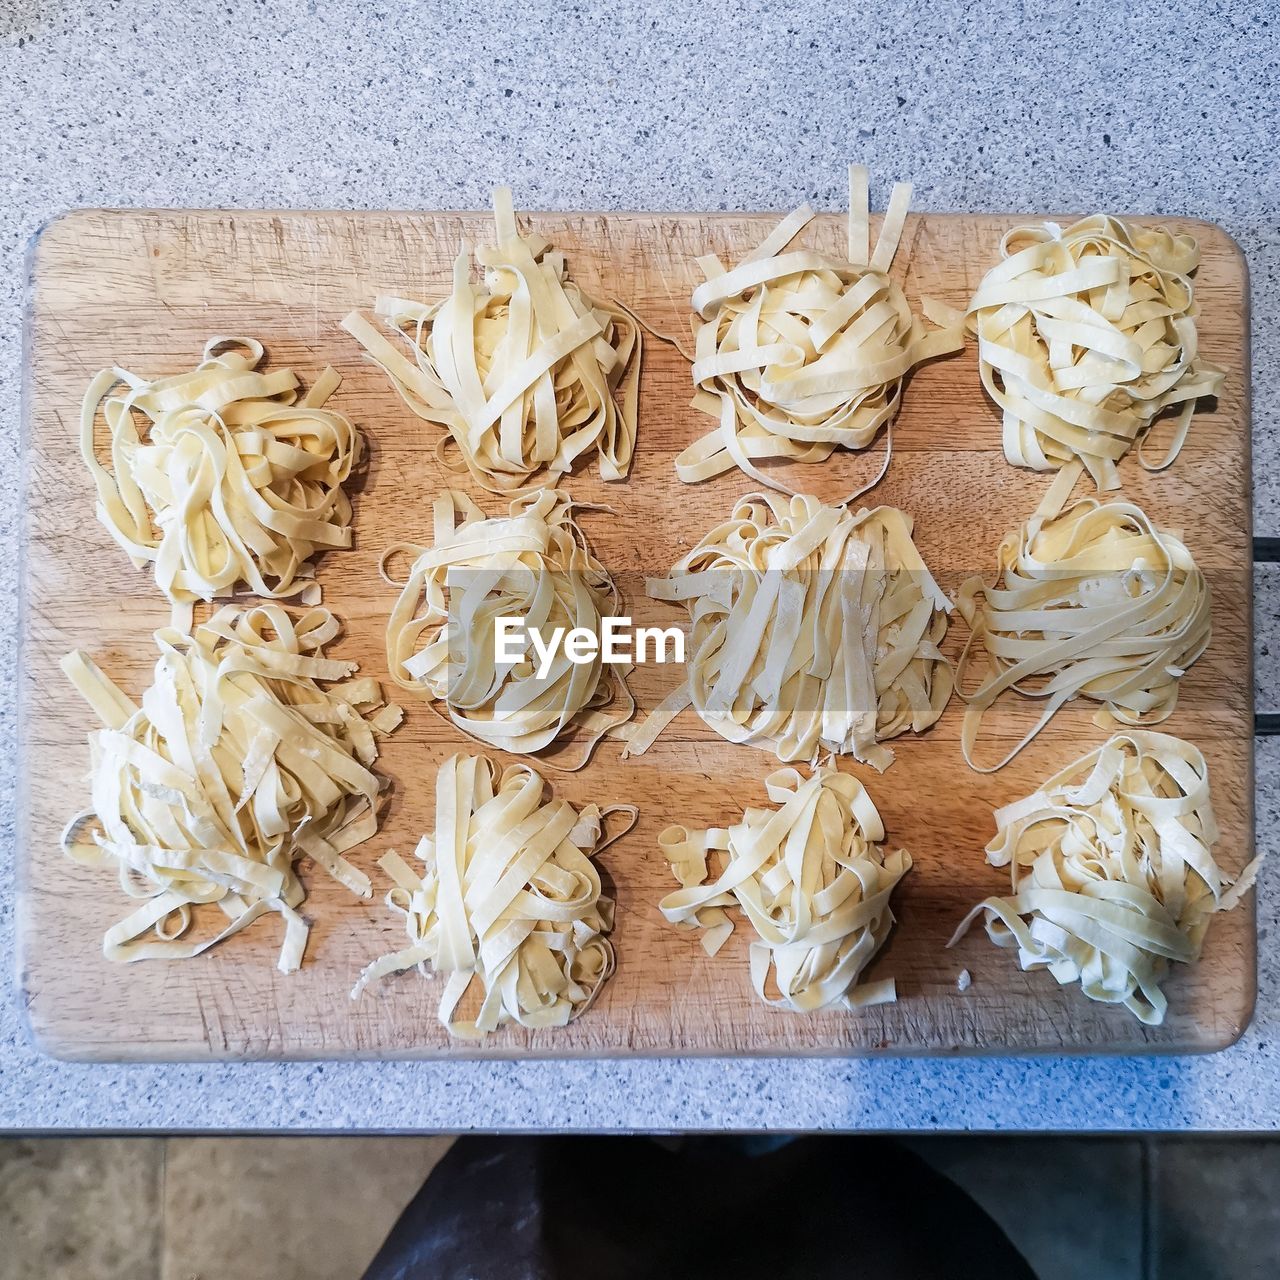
point(716, 105)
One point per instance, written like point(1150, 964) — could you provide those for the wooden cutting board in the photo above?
point(146, 289)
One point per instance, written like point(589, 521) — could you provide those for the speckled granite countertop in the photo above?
point(714, 105)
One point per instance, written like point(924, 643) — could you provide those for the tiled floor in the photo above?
point(82, 1209)
point(1074, 1207)
point(317, 1208)
point(203, 1208)
point(1216, 1209)
point(306, 1207)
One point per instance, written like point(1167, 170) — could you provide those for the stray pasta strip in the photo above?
point(508, 897)
point(798, 354)
point(812, 877)
point(812, 629)
point(1096, 601)
point(533, 564)
point(238, 480)
point(522, 370)
point(1113, 871)
point(1085, 336)
point(237, 764)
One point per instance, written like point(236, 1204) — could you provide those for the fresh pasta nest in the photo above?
point(1096, 601)
point(798, 353)
point(533, 565)
point(811, 876)
point(237, 764)
point(1113, 871)
point(812, 629)
point(521, 371)
point(1085, 335)
point(238, 480)
point(508, 898)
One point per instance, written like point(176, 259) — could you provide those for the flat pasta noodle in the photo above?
point(1085, 335)
point(238, 480)
point(1094, 601)
point(532, 564)
point(811, 876)
point(812, 628)
point(1113, 871)
point(798, 354)
point(508, 897)
point(526, 372)
point(238, 764)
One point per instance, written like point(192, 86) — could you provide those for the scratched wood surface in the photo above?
point(146, 289)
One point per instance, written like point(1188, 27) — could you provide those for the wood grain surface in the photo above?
point(146, 289)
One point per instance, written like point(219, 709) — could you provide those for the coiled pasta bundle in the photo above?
point(532, 565)
point(1085, 335)
point(508, 897)
point(1113, 871)
point(812, 628)
point(799, 354)
point(237, 764)
point(522, 371)
point(238, 481)
point(811, 876)
point(1096, 601)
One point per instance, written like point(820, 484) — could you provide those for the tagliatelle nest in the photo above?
point(509, 897)
point(813, 628)
point(811, 876)
point(1113, 871)
point(798, 353)
point(533, 565)
point(237, 764)
point(1096, 601)
point(237, 481)
point(1085, 336)
point(520, 371)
